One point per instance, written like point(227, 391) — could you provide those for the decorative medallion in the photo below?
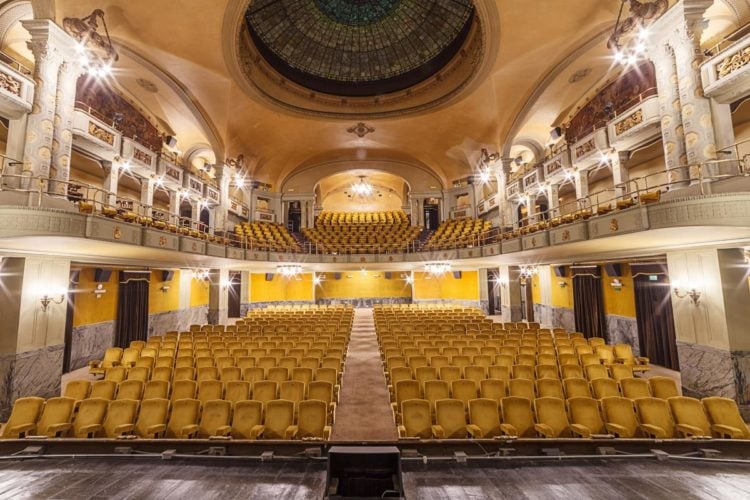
point(566, 235)
point(360, 130)
point(362, 259)
point(117, 233)
point(162, 241)
point(195, 247)
point(533, 241)
point(613, 225)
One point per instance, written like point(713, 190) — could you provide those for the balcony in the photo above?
point(170, 173)
point(142, 160)
point(94, 134)
point(726, 76)
point(586, 153)
point(637, 125)
point(557, 166)
point(16, 89)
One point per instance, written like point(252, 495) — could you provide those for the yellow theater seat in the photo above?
point(120, 418)
point(312, 420)
point(725, 418)
point(89, 418)
point(247, 419)
point(484, 418)
point(183, 421)
point(23, 417)
point(450, 419)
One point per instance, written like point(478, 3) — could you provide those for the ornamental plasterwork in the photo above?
point(631, 121)
point(585, 148)
point(101, 133)
point(733, 63)
point(10, 84)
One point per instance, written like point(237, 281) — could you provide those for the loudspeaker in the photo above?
point(167, 275)
point(457, 275)
point(613, 270)
point(559, 271)
point(388, 275)
point(170, 141)
point(364, 472)
point(337, 276)
point(556, 133)
point(269, 276)
point(102, 275)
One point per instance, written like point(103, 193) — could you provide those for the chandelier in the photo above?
point(628, 40)
point(362, 188)
point(437, 268)
point(289, 270)
point(94, 49)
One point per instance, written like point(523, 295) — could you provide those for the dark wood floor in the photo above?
point(614, 480)
point(139, 479)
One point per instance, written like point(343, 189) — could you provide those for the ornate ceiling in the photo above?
point(357, 47)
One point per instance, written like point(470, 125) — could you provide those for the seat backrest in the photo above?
point(620, 372)
point(634, 388)
point(450, 414)
point(551, 388)
point(216, 414)
point(253, 374)
point(230, 373)
point(56, 411)
point(435, 390)
point(464, 390)
point(724, 411)
point(485, 414)
point(184, 373)
point(577, 388)
point(312, 419)
point(625, 352)
point(277, 374)
point(184, 389)
point(119, 412)
point(407, 389)
point(493, 389)
point(690, 411)
point(25, 411)
point(116, 374)
point(162, 373)
point(594, 372)
point(585, 412)
point(604, 388)
point(551, 412)
point(416, 418)
point(130, 389)
point(521, 388)
point(90, 412)
point(476, 373)
point(77, 389)
point(209, 390)
point(153, 412)
point(237, 390)
point(517, 413)
point(329, 375)
point(450, 373)
point(571, 371)
point(247, 414)
point(655, 412)
point(103, 389)
point(292, 390)
point(300, 374)
point(523, 371)
point(279, 416)
point(320, 390)
point(663, 387)
point(265, 390)
point(156, 389)
point(207, 373)
point(620, 412)
point(185, 412)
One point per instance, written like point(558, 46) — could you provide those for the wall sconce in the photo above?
point(501, 282)
point(692, 292)
point(99, 290)
point(616, 284)
point(562, 284)
point(200, 274)
point(437, 268)
point(165, 288)
point(46, 299)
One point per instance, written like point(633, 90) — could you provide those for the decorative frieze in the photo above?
point(101, 133)
point(629, 122)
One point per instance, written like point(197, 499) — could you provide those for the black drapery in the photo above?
point(132, 308)
point(656, 334)
point(588, 306)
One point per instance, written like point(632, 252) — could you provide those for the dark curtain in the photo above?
point(588, 306)
point(132, 309)
point(656, 335)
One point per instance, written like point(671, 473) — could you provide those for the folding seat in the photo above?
point(546, 359)
point(663, 387)
point(527, 350)
point(304, 375)
point(577, 388)
point(568, 359)
point(279, 420)
point(130, 389)
point(214, 420)
point(461, 361)
point(656, 418)
point(184, 389)
point(450, 373)
point(152, 418)
point(690, 417)
point(112, 357)
point(565, 350)
point(405, 389)
point(183, 420)
point(103, 389)
point(129, 356)
point(583, 349)
point(484, 418)
point(450, 419)
point(585, 417)
point(207, 373)
point(416, 419)
point(23, 417)
point(594, 372)
point(522, 388)
point(606, 354)
point(77, 389)
point(245, 362)
point(438, 362)
point(312, 420)
point(288, 363)
point(523, 371)
point(292, 390)
point(162, 373)
point(230, 373)
point(265, 391)
point(266, 362)
point(589, 359)
point(549, 388)
point(492, 389)
point(517, 417)
point(604, 388)
point(551, 418)
point(237, 390)
point(425, 373)
point(620, 372)
point(619, 417)
point(571, 371)
point(204, 362)
point(224, 362)
point(526, 359)
point(596, 341)
point(547, 371)
point(89, 418)
point(634, 388)
point(323, 391)
point(277, 374)
point(624, 354)
point(145, 362)
point(464, 391)
point(209, 390)
point(253, 374)
point(309, 362)
point(116, 374)
point(184, 373)
point(475, 373)
point(247, 419)
point(55, 419)
point(451, 352)
point(726, 421)
point(120, 419)
point(498, 372)
point(156, 389)
point(164, 361)
point(435, 390)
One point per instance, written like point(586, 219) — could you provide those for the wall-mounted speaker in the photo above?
point(613, 270)
point(457, 275)
point(170, 141)
point(337, 276)
point(388, 275)
point(560, 271)
point(102, 275)
point(167, 275)
point(555, 133)
point(269, 276)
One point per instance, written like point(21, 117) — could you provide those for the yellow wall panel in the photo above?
point(198, 292)
point(622, 302)
point(358, 285)
point(561, 296)
point(299, 288)
point(162, 301)
point(536, 291)
point(87, 308)
point(446, 286)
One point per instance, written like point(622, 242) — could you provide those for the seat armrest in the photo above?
point(154, 430)
point(727, 431)
point(257, 431)
point(544, 430)
point(654, 431)
point(690, 430)
point(401, 432)
point(643, 360)
point(189, 431)
point(327, 432)
point(580, 430)
point(95, 364)
point(22, 429)
point(474, 431)
point(224, 430)
point(509, 430)
point(124, 428)
point(291, 432)
point(89, 430)
point(438, 432)
point(56, 429)
point(617, 430)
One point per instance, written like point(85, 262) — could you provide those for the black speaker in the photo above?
point(555, 133)
point(102, 275)
point(337, 276)
point(613, 270)
point(388, 275)
point(457, 275)
point(559, 271)
point(167, 275)
point(364, 472)
point(170, 141)
point(269, 276)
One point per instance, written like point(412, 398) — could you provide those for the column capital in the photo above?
point(46, 36)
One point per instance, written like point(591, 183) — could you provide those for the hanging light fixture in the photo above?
point(289, 270)
point(628, 40)
point(362, 188)
point(437, 268)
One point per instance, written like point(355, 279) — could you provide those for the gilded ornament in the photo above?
point(629, 122)
point(117, 233)
point(614, 225)
point(10, 84)
point(733, 63)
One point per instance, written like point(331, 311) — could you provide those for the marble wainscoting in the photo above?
point(623, 330)
point(263, 305)
point(245, 308)
point(461, 303)
point(31, 373)
point(365, 302)
point(90, 342)
point(180, 320)
point(543, 315)
point(510, 313)
point(707, 371)
point(741, 362)
point(563, 317)
point(485, 306)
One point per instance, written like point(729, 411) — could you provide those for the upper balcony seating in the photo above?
point(457, 233)
point(362, 232)
point(267, 236)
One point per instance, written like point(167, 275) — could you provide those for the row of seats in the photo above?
point(266, 236)
point(551, 417)
point(456, 233)
point(161, 418)
point(327, 218)
point(364, 232)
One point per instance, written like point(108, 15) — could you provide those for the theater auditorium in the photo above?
point(419, 249)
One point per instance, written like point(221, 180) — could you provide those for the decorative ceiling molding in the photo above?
point(12, 13)
point(361, 129)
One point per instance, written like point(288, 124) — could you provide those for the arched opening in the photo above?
point(186, 212)
point(362, 190)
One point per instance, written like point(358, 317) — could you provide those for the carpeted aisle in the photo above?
point(364, 410)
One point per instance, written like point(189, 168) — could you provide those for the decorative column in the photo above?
point(195, 213)
point(620, 178)
point(37, 154)
point(581, 179)
point(62, 140)
point(507, 208)
point(218, 296)
point(111, 179)
point(221, 212)
point(147, 196)
point(174, 205)
point(530, 208)
point(553, 198)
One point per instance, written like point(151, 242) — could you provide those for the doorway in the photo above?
point(493, 293)
point(186, 213)
point(431, 214)
point(294, 217)
point(655, 319)
point(588, 302)
point(205, 220)
point(527, 301)
point(69, 312)
point(234, 303)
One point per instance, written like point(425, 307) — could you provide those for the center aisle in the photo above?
point(364, 410)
